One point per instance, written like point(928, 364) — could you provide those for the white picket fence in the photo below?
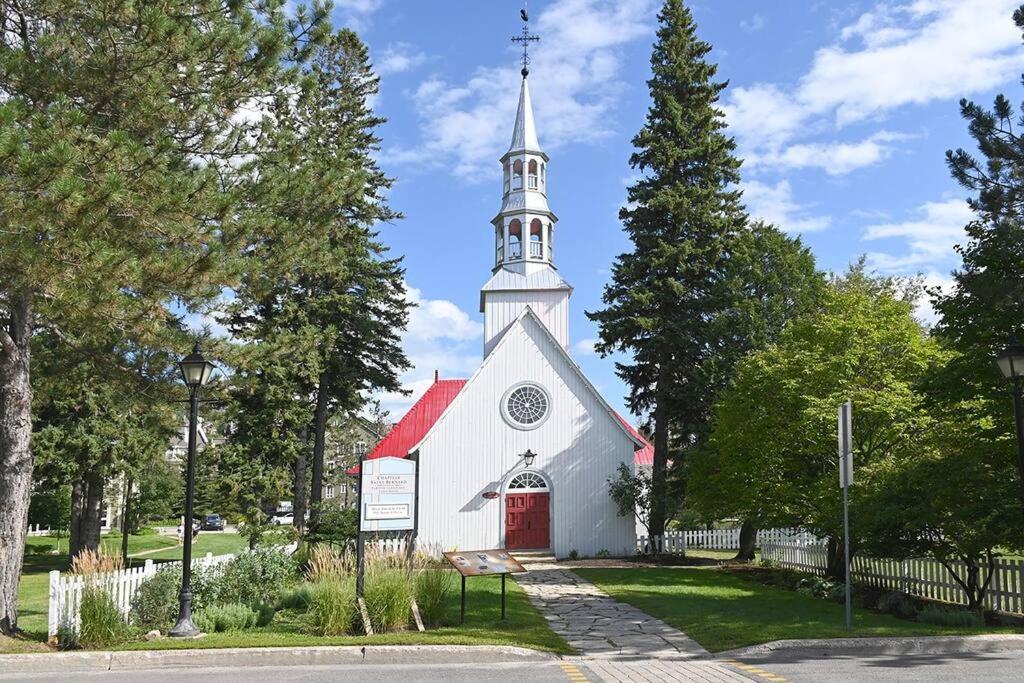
point(677, 542)
point(38, 530)
point(923, 577)
point(66, 590)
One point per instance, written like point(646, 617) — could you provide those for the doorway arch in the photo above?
point(527, 512)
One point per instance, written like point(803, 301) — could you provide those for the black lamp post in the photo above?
point(195, 371)
point(528, 457)
point(1011, 362)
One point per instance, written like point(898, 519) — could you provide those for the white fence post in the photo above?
point(53, 608)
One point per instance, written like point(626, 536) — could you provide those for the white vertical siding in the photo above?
point(472, 450)
point(502, 308)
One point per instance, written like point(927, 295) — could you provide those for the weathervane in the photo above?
point(526, 38)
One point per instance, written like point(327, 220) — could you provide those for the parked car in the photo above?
point(282, 519)
point(212, 523)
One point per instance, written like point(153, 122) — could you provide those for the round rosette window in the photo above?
point(526, 406)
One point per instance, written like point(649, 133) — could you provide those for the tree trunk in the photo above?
point(748, 541)
point(659, 483)
point(15, 452)
point(835, 559)
point(126, 526)
point(299, 492)
point(87, 511)
point(319, 441)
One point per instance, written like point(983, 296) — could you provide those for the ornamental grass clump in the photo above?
point(100, 621)
point(222, 618)
point(387, 591)
point(433, 589)
point(332, 609)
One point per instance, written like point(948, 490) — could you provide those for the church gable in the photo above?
point(527, 355)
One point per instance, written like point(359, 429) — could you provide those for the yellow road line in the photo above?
point(573, 672)
point(756, 671)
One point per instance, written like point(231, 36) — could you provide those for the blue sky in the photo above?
point(842, 111)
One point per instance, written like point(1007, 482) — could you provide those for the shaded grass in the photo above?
point(722, 611)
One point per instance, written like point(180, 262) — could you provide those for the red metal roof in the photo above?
point(644, 456)
point(411, 429)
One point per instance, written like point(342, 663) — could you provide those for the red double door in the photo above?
point(527, 521)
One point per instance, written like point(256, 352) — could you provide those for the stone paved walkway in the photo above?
point(598, 626)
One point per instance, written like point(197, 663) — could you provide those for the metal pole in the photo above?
point(462, 613)
point(360, 541)
point(846, 543)
point(1018, 410)
point(185, 628)
point(503, 596)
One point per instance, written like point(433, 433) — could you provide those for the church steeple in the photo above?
point(524, 228)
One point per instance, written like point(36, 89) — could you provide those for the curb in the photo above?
point(126, 660)
point(840, 647)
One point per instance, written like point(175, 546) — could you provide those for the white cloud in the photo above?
point(930, 237)
point(399, 57)
point(892, 56)
point(924, 311)
point(835, 158)
point(440, 336)
point(574, 84)
point(585, 347)
point(774, 204)
point(752, 25)
point(356, 13)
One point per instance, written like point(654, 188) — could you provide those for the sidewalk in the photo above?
point(598, 626)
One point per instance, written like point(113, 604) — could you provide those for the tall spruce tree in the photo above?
point(667, 293)
point(341, 308)
point(123, 134)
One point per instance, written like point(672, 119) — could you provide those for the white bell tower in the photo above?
point(524, 273)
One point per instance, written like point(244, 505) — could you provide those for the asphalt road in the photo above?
point(875, 668)
point(457, 673)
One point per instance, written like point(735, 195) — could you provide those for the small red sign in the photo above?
point(491, 495)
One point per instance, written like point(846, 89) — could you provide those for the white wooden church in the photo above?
point(479, 486)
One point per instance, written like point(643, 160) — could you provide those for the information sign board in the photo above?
point(387, 495)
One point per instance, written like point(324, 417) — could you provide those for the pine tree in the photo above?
point(684, 211)
point(123, 141)
point(986, 307)
point(341, 308)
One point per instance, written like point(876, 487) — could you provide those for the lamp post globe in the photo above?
point(195, 372)
point(528, 457)
point(1011, 362)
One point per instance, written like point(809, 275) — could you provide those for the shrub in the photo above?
point(155, 603)
point(253, 577)
point(822, 588)
point(114, 533)
point(297, 598)
point(332, 606)
point(102, 623)
point(950, 616)
point(897, 604)
point(433, 589)
point(145, 531)
point(220, 618)
point(335, 526)
point(603, 552)
point(573, 554)
point(67, 637)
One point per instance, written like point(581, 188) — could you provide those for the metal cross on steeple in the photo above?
point(526, 38)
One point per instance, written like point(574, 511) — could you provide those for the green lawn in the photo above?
point(722, 611)
point(33, 592)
